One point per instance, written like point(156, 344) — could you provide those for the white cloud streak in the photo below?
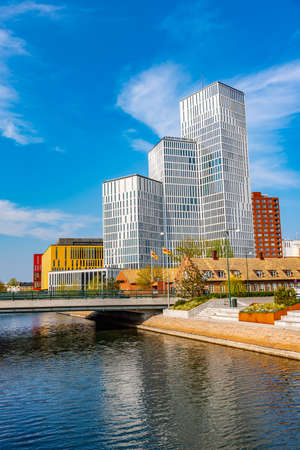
point(17, 9)
point(272, 99)
point(12, 124)
point(152, 97)
point(140, 145)
point(43, 224)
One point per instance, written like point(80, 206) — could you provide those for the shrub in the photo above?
point(184, 305)
point(263, 307)
point(285, 296)
point(179, 303)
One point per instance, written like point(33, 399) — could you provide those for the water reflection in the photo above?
point(65, 384)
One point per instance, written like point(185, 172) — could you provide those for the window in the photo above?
point(221, 273)
point(274, 273)
point(259, 273)
point(289, 273)
point(236, 273)
point(208, 274)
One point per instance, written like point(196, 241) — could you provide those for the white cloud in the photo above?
point(12, 125)
point(16, 9)
point(152, 97)
point(45, 224)
point(59, 149)
point(10, 44)
point(272, 99)
point(271, 172)
point(140, 145)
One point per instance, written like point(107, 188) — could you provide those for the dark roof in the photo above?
point(79, 241)
point(25, 283)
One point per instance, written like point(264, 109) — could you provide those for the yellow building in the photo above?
point(71, 254)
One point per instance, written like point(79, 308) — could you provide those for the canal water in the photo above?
point(65, 385)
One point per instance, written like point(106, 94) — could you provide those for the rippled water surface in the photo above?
point(65, 385)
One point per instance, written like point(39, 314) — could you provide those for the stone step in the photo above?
point(290, 319)
point(285, 324)
point(224, 314)
point(293, 314)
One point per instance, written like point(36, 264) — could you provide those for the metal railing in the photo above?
point(48, 295)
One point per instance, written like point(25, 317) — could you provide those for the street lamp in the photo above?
point(228, 273)
point(167, 256)
point(247, 284)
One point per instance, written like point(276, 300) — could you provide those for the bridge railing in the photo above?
point(48, 295)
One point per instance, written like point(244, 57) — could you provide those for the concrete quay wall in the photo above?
point(260, 338)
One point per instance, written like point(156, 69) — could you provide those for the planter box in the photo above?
point(295, 307)
point(262, 317)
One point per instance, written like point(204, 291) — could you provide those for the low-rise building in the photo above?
point(128, 280)
point(291, 247)
point(69, 254)
point(80, 279)
point(258, 274)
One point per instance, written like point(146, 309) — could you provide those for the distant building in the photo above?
point(22, 286)
point(132, 221)
point(26, 286)
point(267, 226)
point(37, 271)
point(291, 247)
point(69, 254)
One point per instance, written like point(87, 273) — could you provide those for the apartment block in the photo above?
point(267, 226)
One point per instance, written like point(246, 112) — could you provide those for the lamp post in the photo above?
point(247, 284)
point(163, 261)
point(228, 272)
point(167, 268)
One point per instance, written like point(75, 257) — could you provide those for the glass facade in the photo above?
point(174, 162)
point(215, 118)
point(132, 221)
point(199, 185)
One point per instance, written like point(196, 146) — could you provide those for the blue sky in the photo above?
point(86, 87)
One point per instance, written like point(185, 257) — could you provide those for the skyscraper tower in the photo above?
point(174, 162)
point(215, 118)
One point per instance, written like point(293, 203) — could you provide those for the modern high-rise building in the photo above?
point(215, 118)
point(198, 185)
point(267, 226)
point(174, 162)
point(132, 221)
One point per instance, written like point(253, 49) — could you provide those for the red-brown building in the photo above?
point(267, 226)
point(37, 271)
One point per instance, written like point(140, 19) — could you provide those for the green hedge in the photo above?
point(246, 294)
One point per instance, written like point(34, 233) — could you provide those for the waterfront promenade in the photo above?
point(247, 336)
